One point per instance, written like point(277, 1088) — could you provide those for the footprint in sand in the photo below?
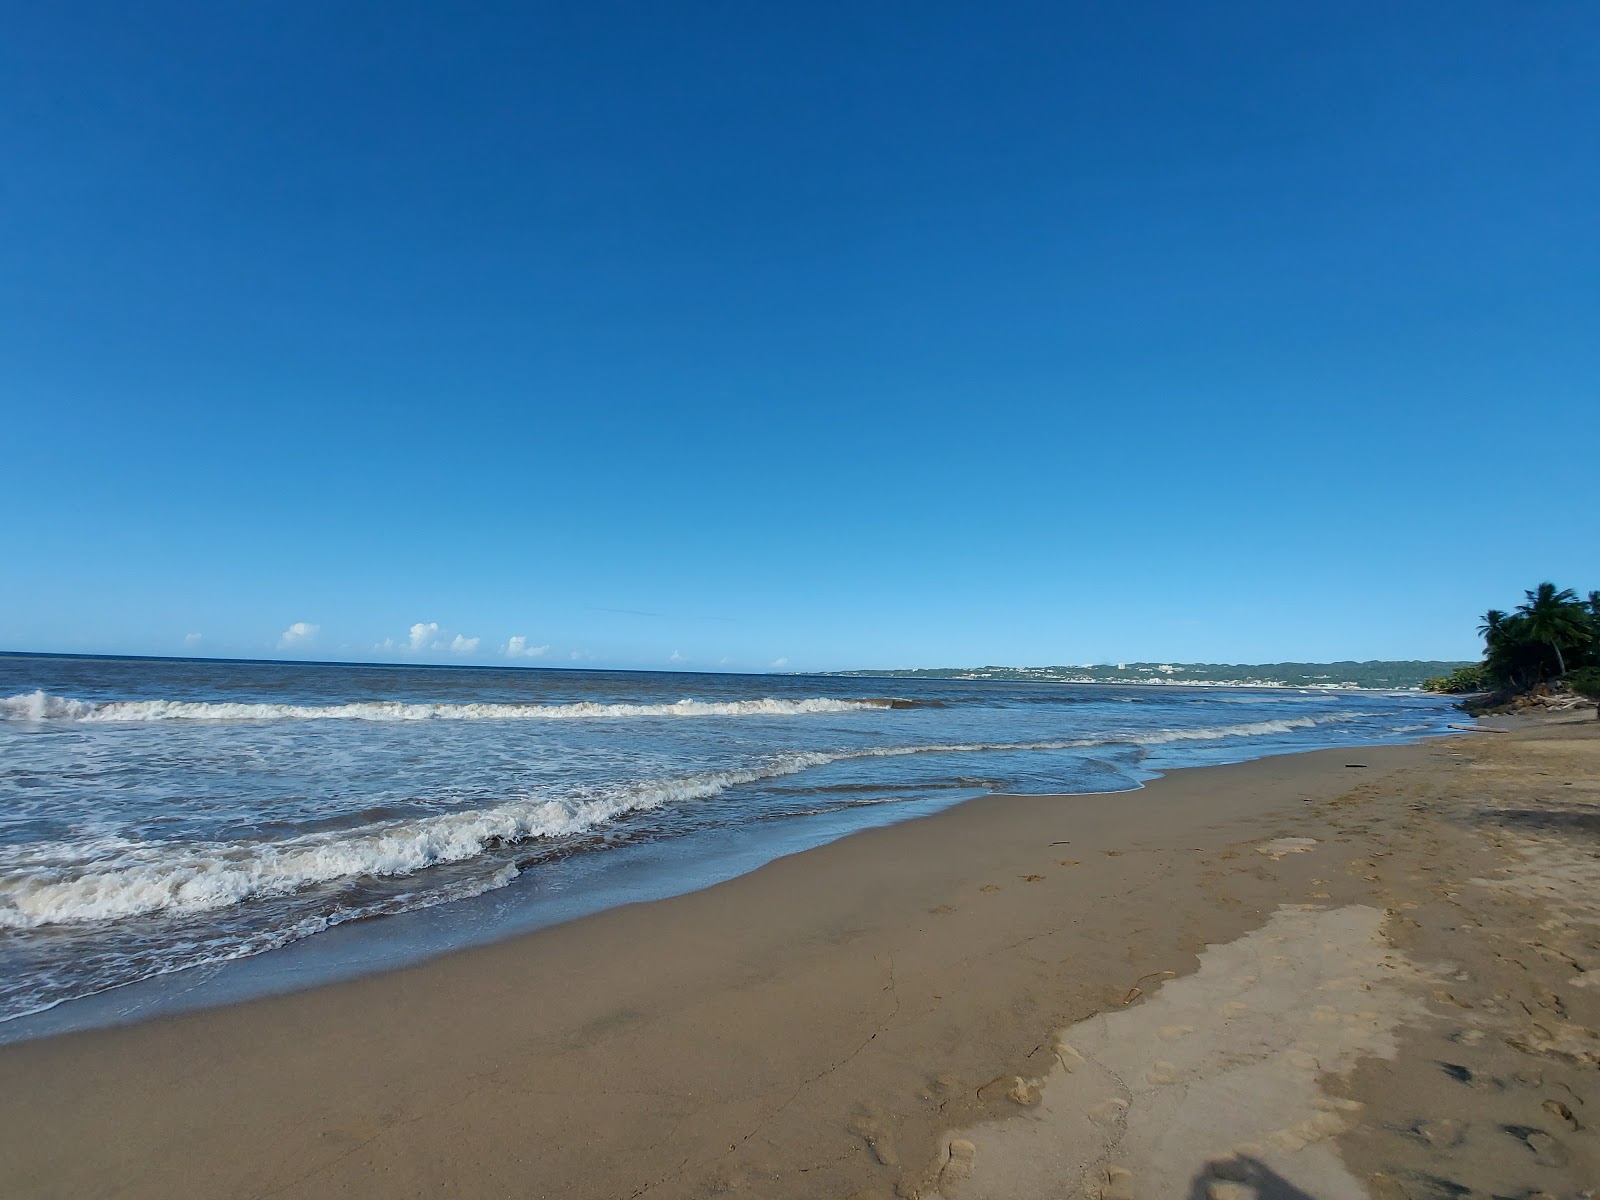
point(1011, 1087)
point(958, 1161)
point(989, 887)
point(1315, 1128)
point(1117, 1184)
point(877, 1140)
point(1109, 1111)
point(1067, 1056)
point(1069, 862)
point(1547, 1152)
point(1030, 878)
point(1561, 1112)
point(940, 1089)
point(943, 909)
point(1444, 1134)
point(1161, 1072)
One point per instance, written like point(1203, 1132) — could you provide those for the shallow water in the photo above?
point(160, 814)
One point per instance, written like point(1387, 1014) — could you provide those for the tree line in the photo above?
point(1552, 638)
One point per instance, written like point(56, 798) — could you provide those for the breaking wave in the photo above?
point(40, 706)
point(146, 878)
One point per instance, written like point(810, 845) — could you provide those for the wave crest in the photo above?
point(147, 878)
point(40, 706)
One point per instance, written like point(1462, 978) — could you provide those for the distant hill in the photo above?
point(1404, 675)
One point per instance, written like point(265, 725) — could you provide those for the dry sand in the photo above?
point(1290, 978)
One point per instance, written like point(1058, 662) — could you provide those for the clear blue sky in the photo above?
point(840, 334)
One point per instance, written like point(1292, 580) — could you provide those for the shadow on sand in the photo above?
point(1563, 820)
point(1264, 1182)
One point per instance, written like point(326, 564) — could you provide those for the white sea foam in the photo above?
point(149, 878)
point(39, 706)
point(43, 992)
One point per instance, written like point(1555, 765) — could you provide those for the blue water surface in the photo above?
point(158, 815)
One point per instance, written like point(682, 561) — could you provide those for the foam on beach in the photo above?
point(136, 878)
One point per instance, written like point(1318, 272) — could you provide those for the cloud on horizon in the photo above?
point(301, 633)
point(430, 637)
point(518, 647)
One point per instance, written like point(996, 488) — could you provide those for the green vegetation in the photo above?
point(1586, 682)
point(1462, 679)
point(1551, 641)
point(1383, 675)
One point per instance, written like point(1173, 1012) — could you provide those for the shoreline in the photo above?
point(348, 951)
point(818, 1026)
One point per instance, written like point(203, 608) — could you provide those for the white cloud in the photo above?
point(675, 657)
point(301, 633)
point(430, 637)
point(780, 662)
point(192, 639)
point(518, 647)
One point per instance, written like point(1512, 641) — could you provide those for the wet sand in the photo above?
point(1294, 977)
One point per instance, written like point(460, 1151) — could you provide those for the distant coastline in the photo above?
point(1374, 674)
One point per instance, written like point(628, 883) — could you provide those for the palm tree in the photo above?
point(1491, 624)
point(1555, 618)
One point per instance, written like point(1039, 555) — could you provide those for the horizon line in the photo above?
point(510, 666)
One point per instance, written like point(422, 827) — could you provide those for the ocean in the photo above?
point(163, 815)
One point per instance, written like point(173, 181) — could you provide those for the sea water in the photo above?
point(158, 814)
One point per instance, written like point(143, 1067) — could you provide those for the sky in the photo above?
point(795, 336)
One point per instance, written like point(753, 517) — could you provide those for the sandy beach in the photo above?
point(1342, 973)
point(799, 602)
